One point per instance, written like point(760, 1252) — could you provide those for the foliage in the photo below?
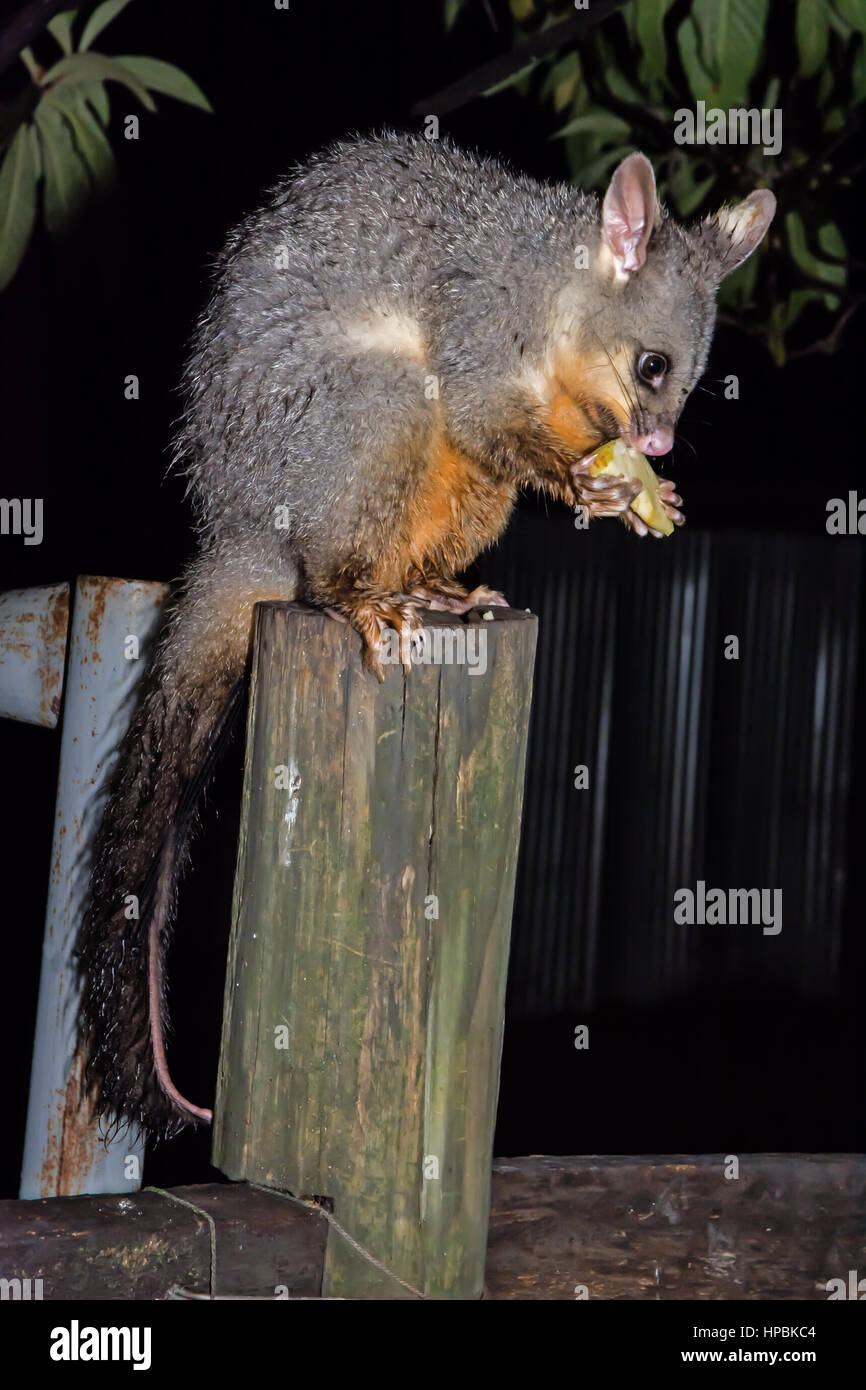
point(53, 135)
point(618, 86)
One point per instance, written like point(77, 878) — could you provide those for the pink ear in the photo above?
point(629, 213)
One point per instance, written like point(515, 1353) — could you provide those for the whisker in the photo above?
point(636, 392)
point(635, 407)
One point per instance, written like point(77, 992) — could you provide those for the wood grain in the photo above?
point(371, 924)
point(143, 1245)
point(676, 1228)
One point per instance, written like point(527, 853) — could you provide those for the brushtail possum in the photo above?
point(396, 343)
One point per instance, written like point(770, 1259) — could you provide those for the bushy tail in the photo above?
point(192, 693)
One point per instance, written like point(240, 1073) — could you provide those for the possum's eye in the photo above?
point(651, 367)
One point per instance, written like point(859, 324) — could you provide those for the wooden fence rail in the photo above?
point(560, 1228)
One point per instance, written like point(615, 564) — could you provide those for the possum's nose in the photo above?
point(658, 440)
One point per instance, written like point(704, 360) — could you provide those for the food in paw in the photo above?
point(620, 460)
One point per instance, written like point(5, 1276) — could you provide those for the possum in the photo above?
point(397, 342)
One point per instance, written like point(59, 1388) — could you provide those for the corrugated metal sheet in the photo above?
point(734, 772)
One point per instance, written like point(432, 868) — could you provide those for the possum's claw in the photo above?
point(401, 614)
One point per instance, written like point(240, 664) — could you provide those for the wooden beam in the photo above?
point(675, 1228)
point(619, 1228)
point(146, 1244)
point(366, 977)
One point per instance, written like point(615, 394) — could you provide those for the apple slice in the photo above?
point(620, 460)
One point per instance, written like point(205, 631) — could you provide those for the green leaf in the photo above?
point(731, 39)
point(687, 190)
point(853, 12)
point(628, 15)
point(649, 19)
point(832, 242)
point(15, 112)
point(813, 34)
point(620, 87)
point(562, 79)
point(30, 63)
point(89, 136)
point(797, 301)
point(95, 67)
point(688, 42)
point(593, 174)
point(97, 96)
point(617, 82)
point(826, 85)
point(99, 20)
point(776, 334)
point(511, 80)
point(19, 172)
point(158, 76)
point(37, 148)
point(737, 290)
point(60, 28)
point(601, 122)
point(803, 257)
point(66, 186)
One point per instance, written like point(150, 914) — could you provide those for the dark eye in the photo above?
point(651, 367)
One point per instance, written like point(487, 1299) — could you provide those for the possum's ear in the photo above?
point(733, 233)
point(628, 215)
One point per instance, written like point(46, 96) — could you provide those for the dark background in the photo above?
point(769, 1069)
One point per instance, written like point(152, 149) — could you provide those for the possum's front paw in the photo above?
point(670, 502)
point(605, 494)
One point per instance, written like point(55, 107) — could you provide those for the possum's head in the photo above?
point(633, 328)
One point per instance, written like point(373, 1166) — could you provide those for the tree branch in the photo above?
point(547, 41)
point(827, 346)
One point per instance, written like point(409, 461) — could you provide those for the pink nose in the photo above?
point(660, 440)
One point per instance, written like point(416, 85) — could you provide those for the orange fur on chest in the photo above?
point(456, 511)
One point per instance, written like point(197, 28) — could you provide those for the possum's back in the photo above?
point(381, 215)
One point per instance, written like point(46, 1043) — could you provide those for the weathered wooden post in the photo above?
point(366, 976)
point(113, 622)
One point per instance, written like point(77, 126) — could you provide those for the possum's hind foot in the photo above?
point(449, 596)
point(371, 614)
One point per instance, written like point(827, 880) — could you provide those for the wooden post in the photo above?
point(65, 1150)
point(366, 978)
